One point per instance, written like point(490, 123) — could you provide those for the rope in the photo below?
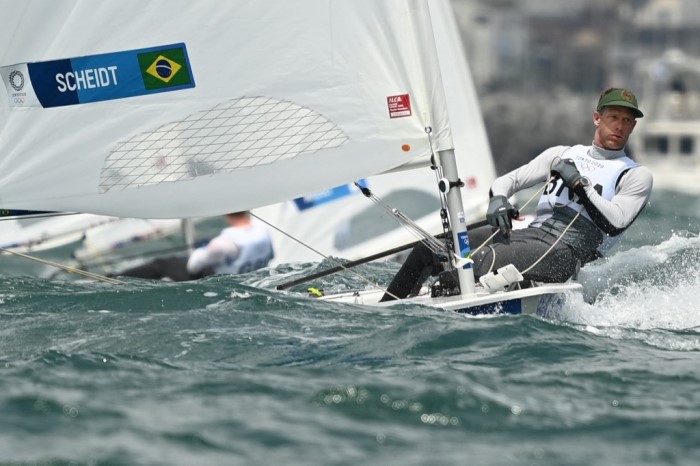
point(35, 215)
point(552, 246)
point(66, 268)
point(328, 258)
point(448, 246)
point(426, 238)
point(538, 192)
point(565, 229)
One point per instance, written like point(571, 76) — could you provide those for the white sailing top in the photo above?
point(236, 250)
point(603, 175)
point(616, 196)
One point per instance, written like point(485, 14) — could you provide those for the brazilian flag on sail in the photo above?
point(165, 68)
point(101, 77)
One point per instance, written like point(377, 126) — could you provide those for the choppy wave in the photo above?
point(647, 293)
point(228, 370)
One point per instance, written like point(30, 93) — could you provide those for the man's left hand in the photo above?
point(566, 168)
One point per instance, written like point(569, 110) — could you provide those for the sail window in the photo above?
point(234, 135)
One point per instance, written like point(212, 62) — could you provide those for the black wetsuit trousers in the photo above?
point(523, 248)
point(173, 268)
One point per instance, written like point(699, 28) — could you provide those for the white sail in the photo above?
point(343, 223)
point(164, 109)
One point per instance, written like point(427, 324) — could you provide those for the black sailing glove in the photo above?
point(499, 213)
point(566, 168)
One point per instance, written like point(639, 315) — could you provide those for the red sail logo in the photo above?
point(399, 106)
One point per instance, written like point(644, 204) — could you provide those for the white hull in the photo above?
point(536, 300)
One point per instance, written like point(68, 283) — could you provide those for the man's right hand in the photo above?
point(566, 168)
point(499, 214)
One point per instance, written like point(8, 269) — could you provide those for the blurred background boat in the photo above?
point(667, 139)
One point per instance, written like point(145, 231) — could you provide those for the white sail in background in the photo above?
point(165, 109)
point(343, 223)
point(474, 157)
point(37, 234)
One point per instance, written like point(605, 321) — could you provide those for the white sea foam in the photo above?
point(648, 293)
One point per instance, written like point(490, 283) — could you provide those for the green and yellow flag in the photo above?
point(164, 68)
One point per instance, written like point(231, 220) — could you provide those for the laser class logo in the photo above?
point(399, 106)
point(16, 79)
point(165, 68)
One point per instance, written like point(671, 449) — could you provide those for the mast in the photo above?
point(188, 233)
point(451, 186)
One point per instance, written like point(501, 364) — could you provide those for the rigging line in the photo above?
point(37, 215)
point(429, 240)
point(542, 256)
point(448, 246)
point(66, 268)
point(549, 177)
point(553, 244)
point(363, 260)
point(404, 221)
point(328, 258)
point(538, 192)
point(423, 235)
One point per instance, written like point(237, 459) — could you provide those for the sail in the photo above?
point(174, 108)
point(474, 157)
point(342, 223)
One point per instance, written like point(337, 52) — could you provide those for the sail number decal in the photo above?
point(96, 78)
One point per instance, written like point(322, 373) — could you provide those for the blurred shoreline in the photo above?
point(521, 126)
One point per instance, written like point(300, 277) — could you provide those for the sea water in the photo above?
point(230, 371)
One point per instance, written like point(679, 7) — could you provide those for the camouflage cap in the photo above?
point(619, 98)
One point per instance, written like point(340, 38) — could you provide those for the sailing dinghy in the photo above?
point(338, 222)
point(172, 109)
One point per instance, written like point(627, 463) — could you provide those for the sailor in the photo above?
point(243, 246)
point(593, 194)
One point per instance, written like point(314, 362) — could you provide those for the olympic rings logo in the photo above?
point(17, 80)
